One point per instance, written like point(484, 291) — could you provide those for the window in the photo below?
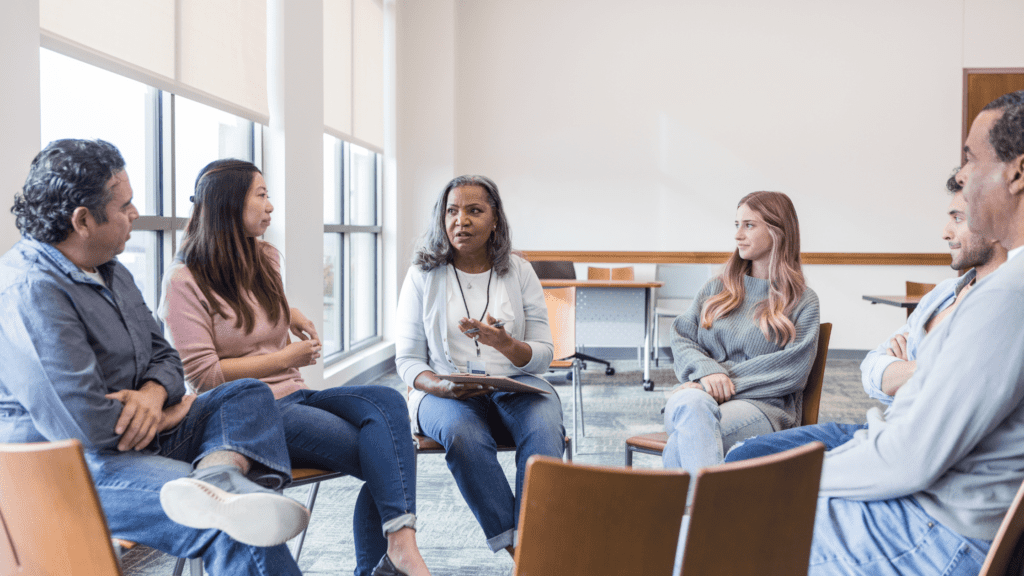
point(165, 140)
point(352, 253)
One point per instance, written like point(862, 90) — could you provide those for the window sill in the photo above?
point(350, 368)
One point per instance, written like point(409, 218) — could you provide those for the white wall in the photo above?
point(19, 106)
point(638, 126)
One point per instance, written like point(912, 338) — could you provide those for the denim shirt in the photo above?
point(66, 341)
point(875, 363)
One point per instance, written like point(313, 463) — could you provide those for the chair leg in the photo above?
point(657, 341)
point(310, 501)
point(568, 450)
point(629, 456)
point(179, 567)
point(577, 382)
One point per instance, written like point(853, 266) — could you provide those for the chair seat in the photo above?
point(655, 441)
point(426, 445)
point(561, 363)
point(303, 476)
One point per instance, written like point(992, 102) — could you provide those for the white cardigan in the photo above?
point(422, 336)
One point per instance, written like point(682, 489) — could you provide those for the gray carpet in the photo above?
point(448, 535)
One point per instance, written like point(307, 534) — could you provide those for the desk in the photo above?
point(908, 302)
point(614, 313)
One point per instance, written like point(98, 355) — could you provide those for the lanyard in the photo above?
point(487, 303)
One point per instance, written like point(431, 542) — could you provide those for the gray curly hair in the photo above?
point(435, 250)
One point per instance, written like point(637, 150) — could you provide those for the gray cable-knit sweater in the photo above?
point(769, 377)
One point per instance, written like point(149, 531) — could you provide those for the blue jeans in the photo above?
point(364, 432)
point(831, 434)
point(470, 431)
point(888, 538)
point(128, 483)
point(700, 430)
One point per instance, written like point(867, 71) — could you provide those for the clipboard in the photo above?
point(501, 383)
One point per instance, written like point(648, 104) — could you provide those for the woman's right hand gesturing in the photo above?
point(301, 353)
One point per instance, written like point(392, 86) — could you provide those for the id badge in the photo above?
point(474, 367)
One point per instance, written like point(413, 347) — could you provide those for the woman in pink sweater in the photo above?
point(225, 309)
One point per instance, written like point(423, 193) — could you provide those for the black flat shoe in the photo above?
point(386, 568)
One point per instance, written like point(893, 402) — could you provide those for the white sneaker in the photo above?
point(220, 497)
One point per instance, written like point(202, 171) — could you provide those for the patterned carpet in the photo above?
point(448, 535)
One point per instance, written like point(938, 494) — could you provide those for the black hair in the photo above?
point(1007, 134)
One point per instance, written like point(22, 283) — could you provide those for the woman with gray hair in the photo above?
point(470, 305)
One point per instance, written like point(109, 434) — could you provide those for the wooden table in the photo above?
point(607, 311)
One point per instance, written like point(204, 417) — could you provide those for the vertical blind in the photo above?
point(213, 51)
point(354, 70)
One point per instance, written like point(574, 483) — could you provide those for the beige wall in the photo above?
point(612, 126)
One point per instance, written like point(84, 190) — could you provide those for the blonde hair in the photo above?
point(786, 282)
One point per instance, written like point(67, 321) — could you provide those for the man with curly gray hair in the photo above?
point(84, 358)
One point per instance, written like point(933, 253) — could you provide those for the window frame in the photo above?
point(343, 190)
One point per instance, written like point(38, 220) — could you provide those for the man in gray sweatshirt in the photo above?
point(924, 488)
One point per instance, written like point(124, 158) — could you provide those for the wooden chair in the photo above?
point(562, 319)
point(1006, 555)
point(300, 477)
point(755, 516)
point(425, 445)
point(621, 521)
point(50, 513)
point(917, 289)
point(623, 273)
point(654, 443)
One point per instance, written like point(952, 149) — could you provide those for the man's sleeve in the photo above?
point(50, 368)
point(970, 376)
point(872, 369)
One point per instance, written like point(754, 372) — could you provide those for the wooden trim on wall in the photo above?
point(828, 258)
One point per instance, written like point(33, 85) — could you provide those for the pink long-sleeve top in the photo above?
point(204, 339)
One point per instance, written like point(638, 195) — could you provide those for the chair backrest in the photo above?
point(1006, 555)
point(918, 288)
point(624, 273)
point(620, 520)
point(682, 281)
point(562, 318)
point(755, 516)
point(816, 377)
point(554, 270)
point(51, 514)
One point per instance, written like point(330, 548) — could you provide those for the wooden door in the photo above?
point(983, 85)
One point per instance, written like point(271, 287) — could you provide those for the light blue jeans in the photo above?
point(884, 537)
point(700, 430)
point(831, 434)
point(889, 538)
point(364, 432)
point(128, 483)
point(470, 431)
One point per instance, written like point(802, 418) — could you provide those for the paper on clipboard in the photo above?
point(502, 383)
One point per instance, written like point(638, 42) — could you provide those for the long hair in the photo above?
point(436, 250)
point(222, 259)
point(786, 282)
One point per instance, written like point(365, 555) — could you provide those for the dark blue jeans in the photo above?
point(364, 432)
point(470, 431)
point(129, 483)
point(830, 434)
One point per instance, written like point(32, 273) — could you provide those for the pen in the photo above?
point(498, 324)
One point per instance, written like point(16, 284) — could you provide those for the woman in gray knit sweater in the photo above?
point(743, 349)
